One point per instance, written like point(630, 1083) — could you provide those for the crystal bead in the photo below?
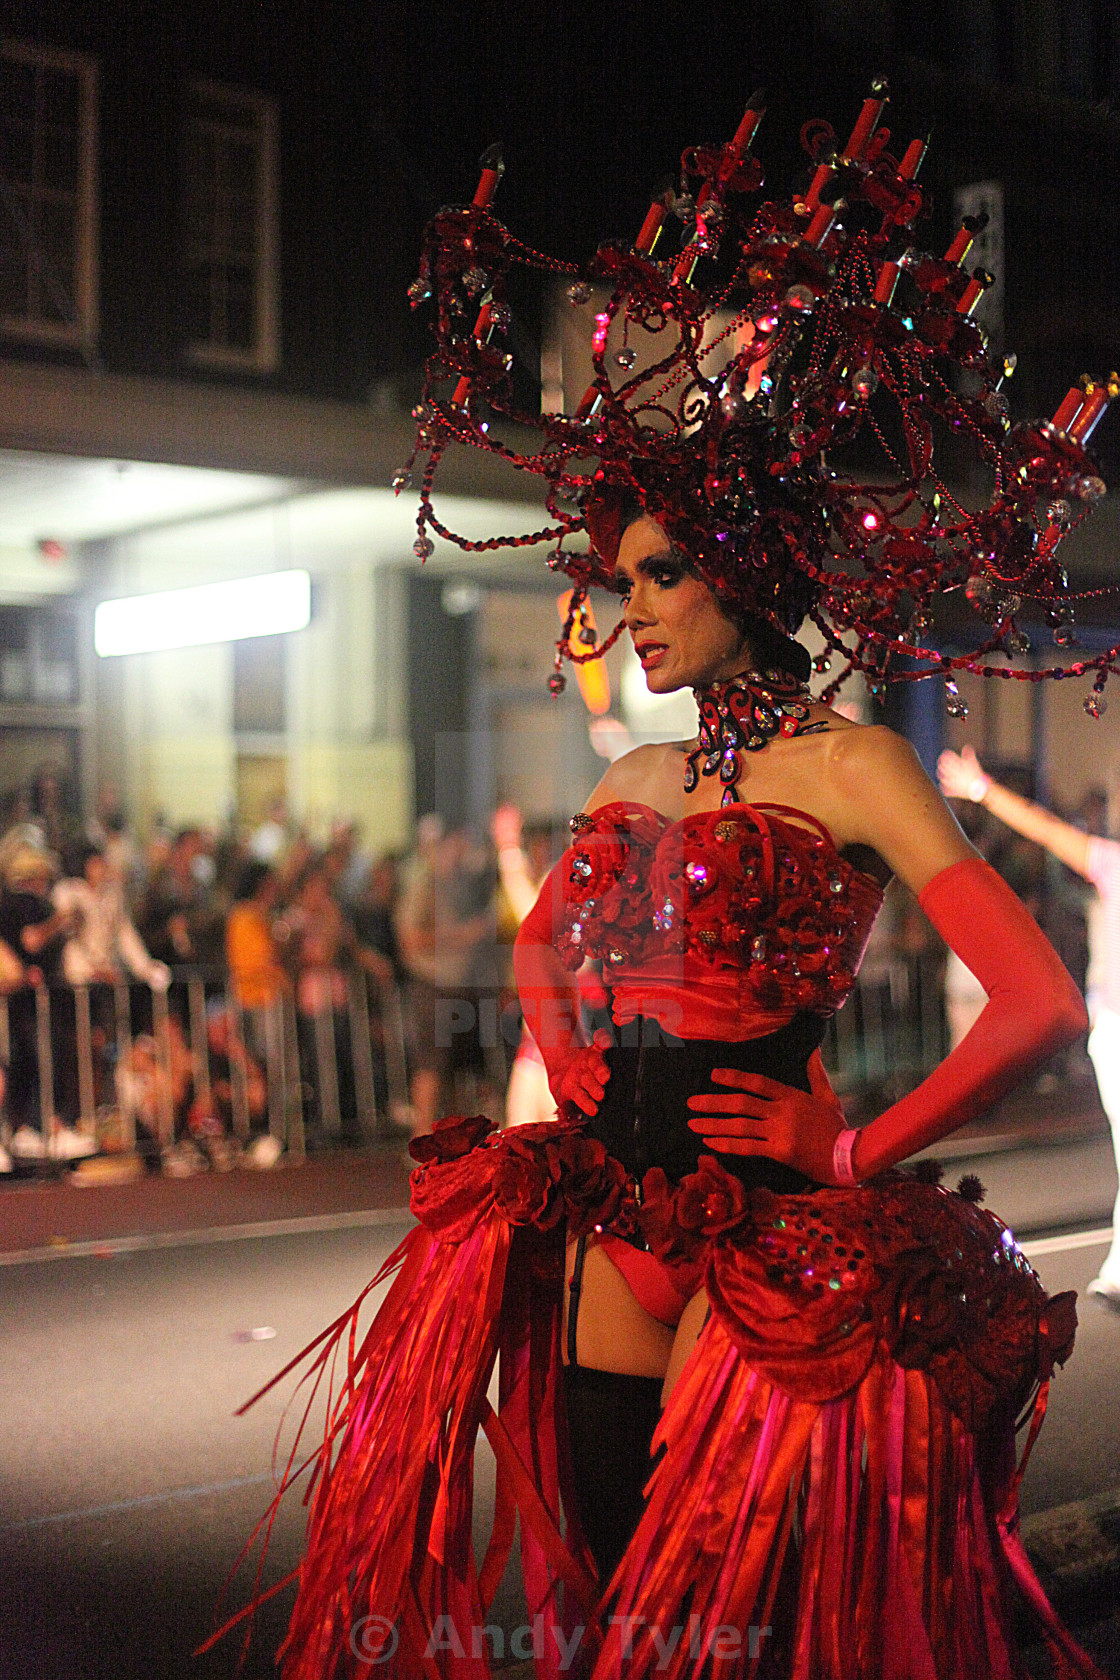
point(1017, 641)
point(625, 358)
point(616, 957)
point(865, 382)
point(1065, 636)
point(684, 206)
point(419, 292)
point(801, 297)
point(501, 316)
point(1059, 512)
point(421, 414)
point(402, 480)
point(1091, 488)
point(475, 280)
point(557, 683)
point(758, 948)
point(423, 548)
point(1096, 705)
point(579, 293)
point(835, 884)
point(822, 663)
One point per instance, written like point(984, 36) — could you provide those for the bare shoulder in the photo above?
point(862, 751)
point(891, 805)
point(645, 775)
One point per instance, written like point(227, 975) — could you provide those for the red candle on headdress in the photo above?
point(492, 170)
point(481, 332)
point(864, 129)
point(961, 245)
point(912, 159)
point(1069, 408)
point(974, 291)
point(1082, 427)
point(747, 129)
point(886, 283)
point(821, 226)
point(823, 176)
point(651, 227)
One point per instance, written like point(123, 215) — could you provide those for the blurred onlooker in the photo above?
point(108, 829)
point(180, 916)
point(103, 948)
point(103, 943)
point(320, 948)
point(440, 925)
point(34, 932)
point(256, 972)
point(270, 838)
point(1097, 860)
point(259, 983)
point(374, 922)
point(524, 860)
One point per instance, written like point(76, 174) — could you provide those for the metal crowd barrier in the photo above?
point(270, 1036)
point(892, 1031)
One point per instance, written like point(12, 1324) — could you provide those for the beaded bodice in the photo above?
point(756, 889)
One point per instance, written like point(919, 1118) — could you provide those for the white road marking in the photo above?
point(1072, 1239)
point(107, 1247)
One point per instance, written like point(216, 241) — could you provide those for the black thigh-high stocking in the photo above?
point(611, 1420)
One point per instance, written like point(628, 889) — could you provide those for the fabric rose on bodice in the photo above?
point(607, 886)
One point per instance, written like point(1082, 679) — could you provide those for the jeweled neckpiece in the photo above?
point(745, 713)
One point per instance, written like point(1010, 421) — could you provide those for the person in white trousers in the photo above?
point(962, 777)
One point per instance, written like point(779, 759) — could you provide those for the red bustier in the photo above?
point(750, 906)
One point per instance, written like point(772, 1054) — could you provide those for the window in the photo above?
point(48, 195)
point(38, 657)
point(259, 680)
point(230, 215)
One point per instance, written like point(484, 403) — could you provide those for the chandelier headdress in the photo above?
point(783, 337)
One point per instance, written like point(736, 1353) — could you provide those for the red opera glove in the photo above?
point(580, 1077)
point(549, 997)
point(764, 1117)
point(1033, 1010)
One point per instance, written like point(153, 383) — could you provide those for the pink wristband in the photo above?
point(842, 1156)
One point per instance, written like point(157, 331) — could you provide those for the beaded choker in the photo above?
point(745, 714)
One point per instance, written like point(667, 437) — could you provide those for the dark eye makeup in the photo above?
point(664, 572)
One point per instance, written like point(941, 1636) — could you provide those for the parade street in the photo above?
point(128, 1485)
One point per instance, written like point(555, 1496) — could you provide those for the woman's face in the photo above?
point(680, 635)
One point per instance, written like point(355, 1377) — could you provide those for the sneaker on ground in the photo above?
point(27, 1144)
point(264, 1151)
point(183, 1160)
point(223, 1153)
point(1106, 1291)
point(5, 1160)
point(66, 1144)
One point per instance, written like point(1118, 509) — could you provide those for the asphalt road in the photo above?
point(127, 1484)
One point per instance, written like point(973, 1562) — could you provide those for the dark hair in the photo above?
point(78, 856)
point(250, 880)
point(773, 650)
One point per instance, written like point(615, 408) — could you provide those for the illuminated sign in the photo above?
point(267, 605)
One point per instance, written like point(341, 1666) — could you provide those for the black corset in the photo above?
point(643, 1118)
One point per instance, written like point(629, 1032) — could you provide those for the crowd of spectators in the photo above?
point(284, 928)
point(279, 925)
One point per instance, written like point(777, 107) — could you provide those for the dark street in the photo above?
point(128, 1484)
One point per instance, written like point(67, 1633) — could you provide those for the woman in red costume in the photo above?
point(757, 1388)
